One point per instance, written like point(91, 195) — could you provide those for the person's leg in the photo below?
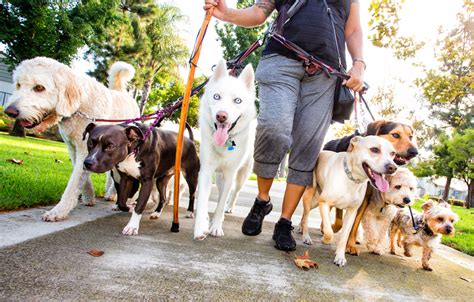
point(311, 122)
point(264, 186)
point(279, 84)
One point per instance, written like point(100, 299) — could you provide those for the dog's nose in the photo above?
point(449, 229)
point(221, 116)
point(406, 200)
point(12, 111)
point(412, 152)
point(390, 168)
point(88, 163)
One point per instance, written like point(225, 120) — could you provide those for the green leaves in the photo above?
point(44, 28)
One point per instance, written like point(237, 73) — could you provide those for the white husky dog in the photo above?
point(227, 117)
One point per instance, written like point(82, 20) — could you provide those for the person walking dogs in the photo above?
point(295, 107)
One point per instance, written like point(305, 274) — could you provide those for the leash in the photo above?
point(184, 112)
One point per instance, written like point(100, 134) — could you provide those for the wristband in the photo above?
point(360, 60)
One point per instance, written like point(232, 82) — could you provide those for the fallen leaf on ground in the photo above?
point(465, 279)
point(58, 161)
point(15, 161)
point(304, 262)
point(95, 252)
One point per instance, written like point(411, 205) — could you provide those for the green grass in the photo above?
point(42, 177)
point(463, 240)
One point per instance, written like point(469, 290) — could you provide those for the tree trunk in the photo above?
point(145, 93)
point(446, 188)
point(18, 130)
point(470, 194)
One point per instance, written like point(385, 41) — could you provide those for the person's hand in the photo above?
point(356, 82)
point(220, 8)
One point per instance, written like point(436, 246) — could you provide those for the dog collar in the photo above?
point(349, 173)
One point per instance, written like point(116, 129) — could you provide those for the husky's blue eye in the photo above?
point(237, 100)
point(216, 96)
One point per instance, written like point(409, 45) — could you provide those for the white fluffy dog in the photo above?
point(48, 92)
point(227, 117)
point(382, 208)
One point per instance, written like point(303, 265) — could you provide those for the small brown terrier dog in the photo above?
point(436, 219)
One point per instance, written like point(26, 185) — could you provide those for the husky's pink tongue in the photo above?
point(380, 182)
point(221, 135)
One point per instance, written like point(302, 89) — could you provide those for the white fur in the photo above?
point(232, 167)
point(382, 208)
point(130, 166)
point(67, 92)
point(133, 225)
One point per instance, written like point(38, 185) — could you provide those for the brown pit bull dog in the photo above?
point(124, 148)
point(402, 138)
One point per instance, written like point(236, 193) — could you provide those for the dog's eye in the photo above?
point(411, 137)
point(110, 147)
point(216, 96)
point(398, 187)
point(396, 135)
point(411, 189)
point(237, 100)
point(392, 154)
point(375, 150)
point(39, 88)
point(18, 85)
point(440, 219)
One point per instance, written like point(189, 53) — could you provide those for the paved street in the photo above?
point(158, 264)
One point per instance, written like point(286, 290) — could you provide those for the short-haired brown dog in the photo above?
point(401, 136)
point(436, 219)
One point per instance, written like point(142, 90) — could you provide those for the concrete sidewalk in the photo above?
point(158, 264)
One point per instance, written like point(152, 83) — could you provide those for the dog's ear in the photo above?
point(353, 143)
point(69, 92)
point(247, 76)
point(428, 205)
point(134, 133)
point(88, 129)
point(374, 127)
point(220, 70)
point(443, 203)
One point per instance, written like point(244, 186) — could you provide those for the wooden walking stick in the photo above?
point(184, 113)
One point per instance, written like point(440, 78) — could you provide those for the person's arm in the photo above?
point(353, 35)
point(246, 17)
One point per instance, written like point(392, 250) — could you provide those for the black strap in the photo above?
point(333, 24)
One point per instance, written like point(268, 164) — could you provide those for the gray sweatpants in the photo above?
point(295, 113)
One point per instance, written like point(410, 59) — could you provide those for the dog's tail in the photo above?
point(120, 73)
point(190, 131)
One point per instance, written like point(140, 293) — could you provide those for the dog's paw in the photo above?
point(427, 268)
point(327, 238)
point(340, 261)
point(216, 230)
point(352, 250)
point(393, 252)
point(229, 211)
point(115, 207)
point(89, 203)
point(110, 197)
point(407, 254)
point(130, 230)
point(200, 235)
point(53, 216)
point(376, 251)
point(189, 214)
point(307, 240)
point(155, 215)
